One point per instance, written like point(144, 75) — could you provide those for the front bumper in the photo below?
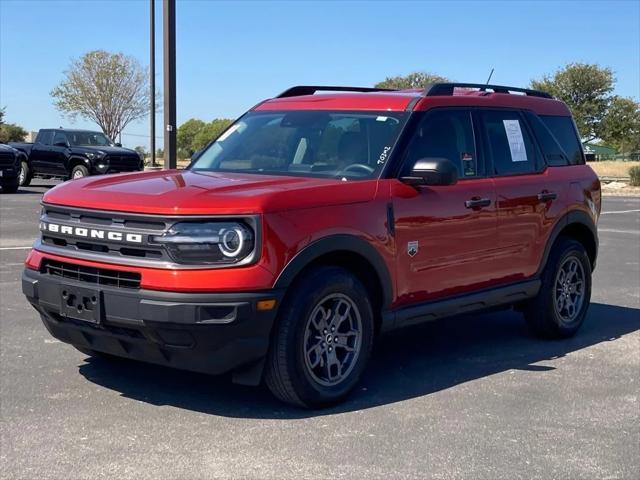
point(9, 175)
point(209, 333)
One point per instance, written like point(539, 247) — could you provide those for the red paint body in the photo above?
point(460, 249)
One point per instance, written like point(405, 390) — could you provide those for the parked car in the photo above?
point(9, 168)
point(319, 220)
point(64, 153)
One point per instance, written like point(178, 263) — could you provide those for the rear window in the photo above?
point(565, 133)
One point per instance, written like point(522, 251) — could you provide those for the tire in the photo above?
point(550, 313)
point(79, 171)
point(303, 367)
point(25, 175)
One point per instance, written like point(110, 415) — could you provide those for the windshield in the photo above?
point(92, 139)
point(308, 143)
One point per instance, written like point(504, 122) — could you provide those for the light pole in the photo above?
point(152, 79)
point(169, 15)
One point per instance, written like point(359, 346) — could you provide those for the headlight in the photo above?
point(92, 155)
point(197, 243)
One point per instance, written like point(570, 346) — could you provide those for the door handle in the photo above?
point(547, 196)
point(477, 202)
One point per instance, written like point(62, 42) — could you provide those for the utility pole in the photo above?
point(152, 79)
point(170, 153)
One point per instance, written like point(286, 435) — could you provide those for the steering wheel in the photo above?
point(368, 170)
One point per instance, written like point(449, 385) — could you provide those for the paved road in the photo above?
point(477, 398)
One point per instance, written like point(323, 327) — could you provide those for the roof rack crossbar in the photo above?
point(311, 89)
point(446, 89)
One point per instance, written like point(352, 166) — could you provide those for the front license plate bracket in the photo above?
point(81, 303)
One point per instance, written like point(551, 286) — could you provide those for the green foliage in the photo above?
point(586, 89)
point(111, 89)
point(10, 132)
point(186, 134)
point(634, 173)
point(620, 128)
point(413, 80)
point(194, 135)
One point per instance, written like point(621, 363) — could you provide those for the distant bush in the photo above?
point(634, 173)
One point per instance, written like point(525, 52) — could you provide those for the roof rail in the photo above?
point(311, 89)
point(446, 89)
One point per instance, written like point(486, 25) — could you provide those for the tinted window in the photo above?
point(59, 137)
point(44, 137)
point(508, 143)
point(445, 134)
point(565, 133)
point(554, 154)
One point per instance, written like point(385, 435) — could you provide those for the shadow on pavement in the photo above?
point(406, 364)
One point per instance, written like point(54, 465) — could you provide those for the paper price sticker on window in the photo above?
point(516, 141)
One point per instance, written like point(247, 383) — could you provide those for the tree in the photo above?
point(10, 132)
point(209, 132)
point(413, 80)
point(141, 150)
point(586, 89)
point(620, 128)
point(186, 134)
point(111, 89)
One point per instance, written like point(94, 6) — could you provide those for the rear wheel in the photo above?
point(562, 303)
point(79, 171)
point(323, 339)
point(24, 176)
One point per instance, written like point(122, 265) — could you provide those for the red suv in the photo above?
point(317, 221)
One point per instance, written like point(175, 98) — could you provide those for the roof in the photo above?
point(370, 99)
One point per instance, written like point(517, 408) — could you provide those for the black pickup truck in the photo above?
point(64, 153)
point(9, 168)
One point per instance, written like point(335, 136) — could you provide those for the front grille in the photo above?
point(123, 163)
point(145, 226)
point(7, 159)
point(99, 276)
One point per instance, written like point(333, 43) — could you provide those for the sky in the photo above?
point(231, 55)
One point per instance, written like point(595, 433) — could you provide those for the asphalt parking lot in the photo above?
point(474, 398)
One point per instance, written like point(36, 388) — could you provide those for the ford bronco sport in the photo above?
point(319, 220)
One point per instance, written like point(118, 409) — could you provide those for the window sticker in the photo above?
point(468, 165)
point(382, 119)
point(516, 141)
point(384, 155)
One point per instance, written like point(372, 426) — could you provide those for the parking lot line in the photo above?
point(16, 248)
point(620, 211)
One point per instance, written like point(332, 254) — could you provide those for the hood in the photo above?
point(175, 192)
point(107, 150)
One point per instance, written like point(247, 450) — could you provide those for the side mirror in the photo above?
point(61, 144)
point(118, 144)
point(432, 171)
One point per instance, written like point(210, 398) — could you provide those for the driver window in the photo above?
point(445, 134)
point(59, 137)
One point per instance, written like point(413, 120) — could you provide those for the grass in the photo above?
point(613, 168)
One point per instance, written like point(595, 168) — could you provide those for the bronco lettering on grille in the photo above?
point(91, 233)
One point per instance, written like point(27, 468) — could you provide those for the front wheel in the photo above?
point(561, 306)
point(323, 339)
point(24, 176)
point(79, 171)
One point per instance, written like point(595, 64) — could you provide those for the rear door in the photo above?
point(445, 235)
point(528, 204)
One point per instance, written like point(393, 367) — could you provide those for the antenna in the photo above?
point(490, 75)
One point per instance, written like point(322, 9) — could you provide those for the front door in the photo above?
point(445, 235)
